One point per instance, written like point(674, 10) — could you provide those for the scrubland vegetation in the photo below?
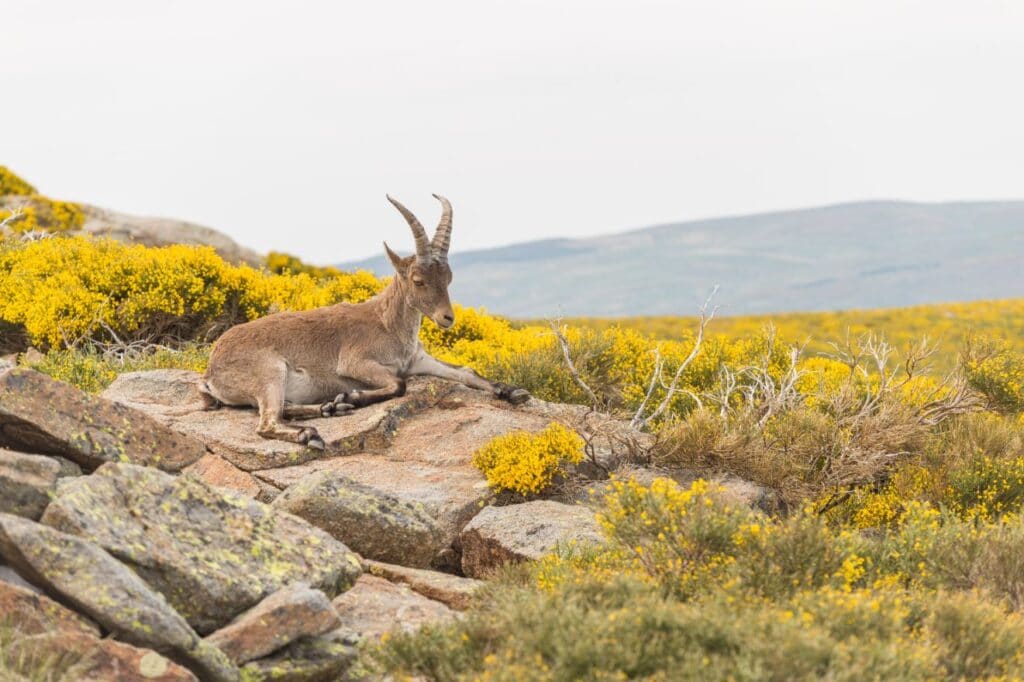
point(896, 549)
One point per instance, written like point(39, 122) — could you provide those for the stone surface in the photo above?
point(519, 532)
point(326, 658)
point(452, 495)
point(90, 659)
point(373, 524)
point(12, 577)
point(217, 471)
point(39, 414)
point(376, 606)
point(36, 614)
point(163, 231)
point(289, 614)
point(159, 391)
point(212, 553)
point(451, 590)
point(84, 576)
point(26, 483)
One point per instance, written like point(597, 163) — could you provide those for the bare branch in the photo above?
point(556, 328)
point(641, 421)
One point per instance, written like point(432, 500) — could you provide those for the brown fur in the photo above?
point(323, 362)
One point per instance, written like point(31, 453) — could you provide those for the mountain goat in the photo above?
point(324, 362)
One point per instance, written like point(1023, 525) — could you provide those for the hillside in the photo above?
point(870, 254)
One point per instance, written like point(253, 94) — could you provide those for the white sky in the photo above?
point(283, 124)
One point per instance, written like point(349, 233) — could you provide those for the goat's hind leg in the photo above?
point(331, 408)
point(272, 410)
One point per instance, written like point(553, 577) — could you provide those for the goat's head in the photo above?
point(425, 277)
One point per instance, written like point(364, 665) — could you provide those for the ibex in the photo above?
point(324, 362)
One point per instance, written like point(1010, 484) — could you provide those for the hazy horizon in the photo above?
point(285, 126)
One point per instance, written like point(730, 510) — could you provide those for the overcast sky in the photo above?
point(284, 124)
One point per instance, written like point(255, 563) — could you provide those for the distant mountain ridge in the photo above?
point(868, 254)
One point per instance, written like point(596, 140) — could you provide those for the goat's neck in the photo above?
point(398, 317)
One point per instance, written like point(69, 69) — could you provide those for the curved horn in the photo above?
point(443, 236)
point(422, 243)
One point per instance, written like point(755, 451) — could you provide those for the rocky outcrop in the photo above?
point(291, 613)
point(26, 483)
point(211, 552)
point(84, 576)
point(374, 524)
point(376, 606)
point(326, 658)
point(520, 532)
point(41, 415)
point(453, 591)
point(162, 232)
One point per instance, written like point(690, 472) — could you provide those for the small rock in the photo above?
point(86, 577)
point(159, 390)
point(36, 614)
point(372, 523)
point(40, 414)
point(290, 613)
point(212, 553)
point(376, 606)
point(26, 483)
point(316, 659)
point(451, 590)
point(521, 532)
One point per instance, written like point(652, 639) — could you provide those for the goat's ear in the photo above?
point(395, 259)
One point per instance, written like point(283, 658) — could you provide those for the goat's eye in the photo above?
point(418, 282)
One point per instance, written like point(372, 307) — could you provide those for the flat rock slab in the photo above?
point(37, 614)
point(217, 471)
point(372, 523)
point(92, 659)
point(451, 495)
point(291, 613)
point(453, 591)
point(84, 576)
point(40, 414)
point(376, 606)
point(521, 532)
point(26, 483)
point(211, 552)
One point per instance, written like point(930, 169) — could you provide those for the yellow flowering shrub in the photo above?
point(12, 184)
point(41, 214)
point(997, 370)
point(527, 463)
point(63, 290)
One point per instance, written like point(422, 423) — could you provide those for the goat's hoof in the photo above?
point(311, 439)
point(348, 399)
point(327, 410)
point(513, 394)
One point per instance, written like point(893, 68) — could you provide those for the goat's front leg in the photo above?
point(386, 384)
point(426, 365)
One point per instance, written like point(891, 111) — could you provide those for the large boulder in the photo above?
point(453, 591)
point(374, 524)
point(84, 576)
point(162, 232)
point(520, 532)
point(451, 495)
point(376, 606)
point(26, 483)
point(291, 613)
point(211, 552)
point(40, 414)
